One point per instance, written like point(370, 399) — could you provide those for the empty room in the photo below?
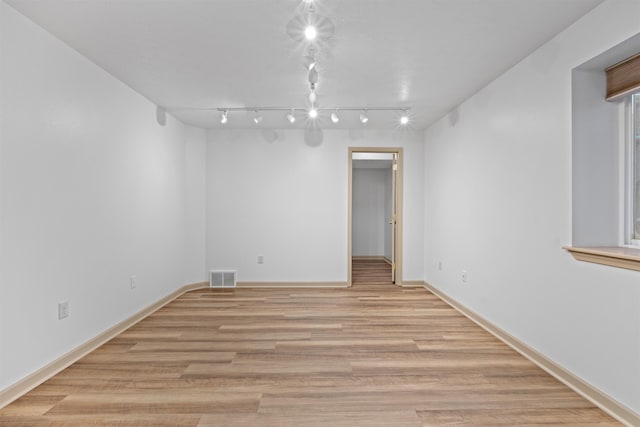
point(319, 212)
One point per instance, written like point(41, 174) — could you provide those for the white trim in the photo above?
point(605, 402)
point(399, 186)
point(412, 284)
point(291, 285)
point(33, 380)
point(626, 171)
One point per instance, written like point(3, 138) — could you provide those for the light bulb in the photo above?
point(309, 62)
point(312, 97)
point(404, 119)
point(224, 117)
point(291, 117)
point(364, 118)
point(313, 76)
point(334, 117)
point(310, 32)
point(313, 113)
point(309, 59)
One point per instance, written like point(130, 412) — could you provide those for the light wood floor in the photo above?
point(371, 355)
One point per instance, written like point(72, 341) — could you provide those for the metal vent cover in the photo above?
point(222, 279)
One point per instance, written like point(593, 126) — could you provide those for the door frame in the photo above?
point(398, 189)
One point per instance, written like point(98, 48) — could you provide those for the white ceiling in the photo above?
point(429, 55)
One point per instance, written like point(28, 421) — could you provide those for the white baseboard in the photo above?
point(586, 390)
point(412, 283)
point(33, 380)
point(291, 284)
point(591, 393)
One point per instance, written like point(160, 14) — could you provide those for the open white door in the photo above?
point(394, 217)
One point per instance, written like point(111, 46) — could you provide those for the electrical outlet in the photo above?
point(260, 259)
point(440, 265)
point(63, 310)
point(133, 282)
point(464, 276)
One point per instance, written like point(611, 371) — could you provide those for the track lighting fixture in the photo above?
point(313, 30)
point(312, 112)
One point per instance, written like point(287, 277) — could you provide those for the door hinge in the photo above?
point(393, 266)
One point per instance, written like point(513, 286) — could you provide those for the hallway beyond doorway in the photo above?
point(371, 272)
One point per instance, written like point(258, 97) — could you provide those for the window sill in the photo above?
point(616, 256)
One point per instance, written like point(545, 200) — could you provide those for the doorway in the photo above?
point(375, 218)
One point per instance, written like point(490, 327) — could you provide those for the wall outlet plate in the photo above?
point(464, 276)
point(63, 310)
point(132, 282)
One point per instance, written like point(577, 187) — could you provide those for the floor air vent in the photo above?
point(222, 279)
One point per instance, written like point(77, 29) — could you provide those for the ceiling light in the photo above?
point(310, 32)
point(310, 27)
point(316, 29)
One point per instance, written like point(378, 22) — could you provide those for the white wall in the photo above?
point(498, 204)
point(595, 158)
point(92, 191)
point(3, 294)
point(369, 221)
point(284, 196)
point(194, 202)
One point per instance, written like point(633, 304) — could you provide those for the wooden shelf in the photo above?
point(613, 256)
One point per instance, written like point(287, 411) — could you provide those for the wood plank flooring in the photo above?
point(374, 272)
point(371, 355)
